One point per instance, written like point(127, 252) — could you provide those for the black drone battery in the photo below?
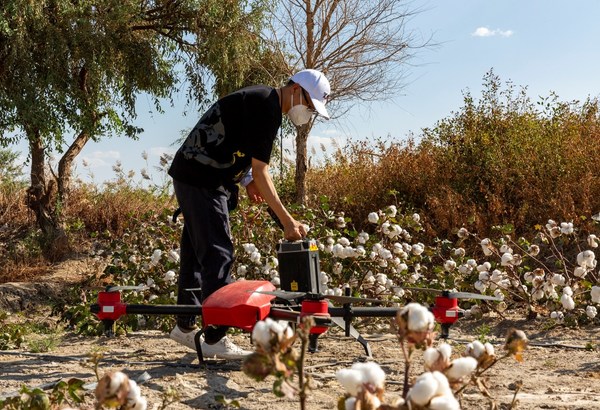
point(299, 266)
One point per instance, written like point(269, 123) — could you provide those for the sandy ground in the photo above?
point(557, 373)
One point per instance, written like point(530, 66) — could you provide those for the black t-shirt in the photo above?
point(237, 128)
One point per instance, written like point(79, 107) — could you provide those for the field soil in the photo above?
point(561, 368)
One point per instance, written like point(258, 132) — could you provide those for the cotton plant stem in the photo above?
point(406, 369)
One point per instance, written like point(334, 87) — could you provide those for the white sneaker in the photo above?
point(223, 349)
point(185, 338)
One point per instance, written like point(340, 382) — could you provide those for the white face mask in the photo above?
point(299, 114)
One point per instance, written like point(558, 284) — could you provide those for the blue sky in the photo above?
point(545, 45)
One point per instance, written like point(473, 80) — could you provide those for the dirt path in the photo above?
point(560, 375)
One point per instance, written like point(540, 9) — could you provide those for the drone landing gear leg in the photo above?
point(109, 327)
point(198, 343)
point(313, 342)
point(445, 334)
point(351, 331)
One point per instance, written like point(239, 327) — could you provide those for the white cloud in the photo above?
point(158, 151)
point(100, 159)
point(486, 32)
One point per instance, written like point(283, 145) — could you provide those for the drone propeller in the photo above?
point(135, 288)
point(307, 295)
point(456, 295)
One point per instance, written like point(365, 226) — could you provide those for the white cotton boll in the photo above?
point(338, 250)
point(567, 291)
point(484, 276)
point(416, 218)
point(418, 248)
point(350, 379)
point(566, 228)
point(592, 241)
point(377, 247)
point(475, 349)
point(350, 403)
point(255, 257)
point(241, 270)
point(330, 240)
point(169, 276)
point(480, 286)
point(391, 211)
point(551, 224)
point(385, 253)
point(506, 259)
point(567, 302)
point(498, 293)
point(445, 350)
point(591, 311)
point(461, 367)
point(472, 263)
point(595, 293)
point(538, 294)
point(134, 393)
point(423, 390)
point(485, 266)
point(402, 267)
point(349, 252)
point(430, 357)
point(399, 292)
point(443, 387)
point(445, 402)
point(462, 233)
point(505, 249)
point(580, 272)
point(173, 256)
point(276, 281)
point(459, 252)
point(371, 373)
point(360, 251)
point(464, 269)
point(420, 319)
point(373, 217)
point(150, 283)
point(383, 263)
point(338, 292)
point(558, 279)
point(140, 404)
point(323, 278)
point(533, 250)
point(558, 316)
point(261, 335)
point(116, 380)
point(385, 227)
point(337, 268)
point(407, 247)
point(362, 238)
point(449, 265)
point(340, 222)
point(497, 275)
point(381, 278)
point(155, 258)
point(249, 248)
point(344, 241)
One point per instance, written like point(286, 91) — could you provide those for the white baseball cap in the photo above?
point(317, 86)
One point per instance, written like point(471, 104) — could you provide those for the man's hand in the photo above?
point(294, 231)
point(254, 193)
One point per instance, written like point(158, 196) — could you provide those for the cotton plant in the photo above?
point(274, 355)
point(364, 384)
point(117, 390)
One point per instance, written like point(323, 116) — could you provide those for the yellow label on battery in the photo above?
point(312, 246)
point(294, 286)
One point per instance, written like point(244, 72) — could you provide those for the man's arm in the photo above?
point(292, 229)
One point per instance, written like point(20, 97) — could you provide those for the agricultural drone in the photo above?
point(242, 304)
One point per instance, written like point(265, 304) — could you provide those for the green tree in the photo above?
point(70, 72)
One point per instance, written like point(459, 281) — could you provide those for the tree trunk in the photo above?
point(301, 162)
point(41, 198)
point(65, 165)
